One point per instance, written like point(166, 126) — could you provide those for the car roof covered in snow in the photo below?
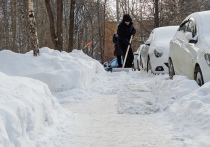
point(163, 35)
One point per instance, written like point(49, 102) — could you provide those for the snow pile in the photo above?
point(167, 91)
point(59, 70)
point(186, 105)
point(192, 114)
point(154, 94)
point(26, 108)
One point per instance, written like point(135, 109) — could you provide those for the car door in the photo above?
point(145, 50)
point(190, 50)
point(144, 54)
point(176, 48)
point(138, 58)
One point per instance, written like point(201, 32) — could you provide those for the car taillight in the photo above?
point(207, 57)
point(157, 54)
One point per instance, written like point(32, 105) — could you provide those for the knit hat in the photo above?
point(127, 18)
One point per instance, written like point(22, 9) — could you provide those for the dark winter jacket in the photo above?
point(117, 51)
point(124, 32)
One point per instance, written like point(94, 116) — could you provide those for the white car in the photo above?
point(136, 60)
point(154, 55)
point(190, 48)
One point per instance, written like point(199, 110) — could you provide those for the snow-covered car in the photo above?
point(136, 60)
point(190, 48)
point(155, 52)
point(113, 64)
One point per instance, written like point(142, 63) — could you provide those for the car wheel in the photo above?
point(171, 68)
point(198, 76)
point(148, 65)
point(138, 66)
point(141, 64)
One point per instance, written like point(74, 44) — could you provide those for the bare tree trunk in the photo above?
point(32, 27)
point(59, 24)
point(102, 52)
point(1, 33)
point(71, 26)
point(52, 26)
point(13, 14)
point(99, 29)
point(117, 8)
point(5, 25)
point(156, 14)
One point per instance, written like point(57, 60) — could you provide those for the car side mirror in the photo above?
point(194, 40)
point(148, 42)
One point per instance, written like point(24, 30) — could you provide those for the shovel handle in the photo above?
point(127, 51)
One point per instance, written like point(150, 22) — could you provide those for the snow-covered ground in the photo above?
point(68, 100)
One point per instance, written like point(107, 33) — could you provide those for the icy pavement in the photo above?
point(121, 115)
point(99, 124)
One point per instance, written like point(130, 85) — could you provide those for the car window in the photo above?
point(150, 37)
point(191, 28)
point(183, 26)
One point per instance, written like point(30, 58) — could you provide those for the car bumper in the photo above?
point(159, 65)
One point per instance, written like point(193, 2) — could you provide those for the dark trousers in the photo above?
point(119, 61)
point(129, 59)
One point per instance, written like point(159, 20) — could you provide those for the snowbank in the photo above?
point(192, 114)
point(187, 106)
point(26, 108)
point(59, 70)
point(184, 105)
point(154, 94)
point(167, 91)
point(28, 111)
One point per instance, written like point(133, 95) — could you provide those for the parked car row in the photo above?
point(177, 50)
point(180, 50)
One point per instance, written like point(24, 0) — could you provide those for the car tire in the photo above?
point(138, 66)
point(149, 65)
point(141, 64)
point(198, 76)
point(171, 68)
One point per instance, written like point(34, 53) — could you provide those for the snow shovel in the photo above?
point(123, 67)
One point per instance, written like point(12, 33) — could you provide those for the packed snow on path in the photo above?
point(68, 100)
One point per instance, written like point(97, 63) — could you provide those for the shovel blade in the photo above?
point(121, 69)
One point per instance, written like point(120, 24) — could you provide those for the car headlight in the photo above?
point(158, 53)
point(207, 57)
